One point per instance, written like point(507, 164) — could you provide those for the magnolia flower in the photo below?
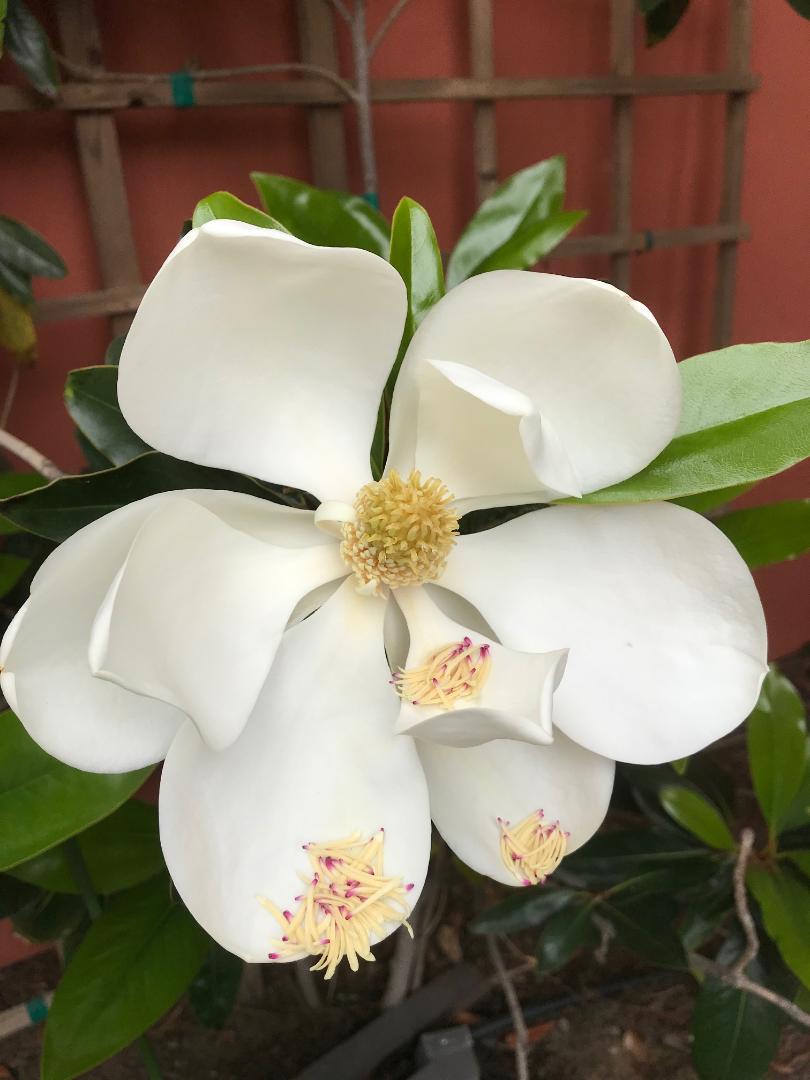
point(321, 684)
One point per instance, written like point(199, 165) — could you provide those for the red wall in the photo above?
point(171, 158)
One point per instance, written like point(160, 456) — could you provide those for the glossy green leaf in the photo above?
point(797, 815)
point(3, 10)
point(12, 568)
point(25, 249)
point(801, 7)
point(49, 917)
point(533, 242)
point(91, 399)
point(224, 205)
point(121, 851)
point(114, 350)
point(695, 813)
point(14, 483)
point(16, 283)
point(329, 218)
point(27, 44)
point(800, 859)
point(525, 908)
point(661, 17)
point(613, 857)
point(565, 933)
point(664, 881)
point(64, 506)
point(42, 801)
point(769, 534)
point(415, 254)
point(735, 1033)
point(746, 416)
point(15, 895)
point(520, 207)
point(705, 501)
point(708, 907)
point(644, 924)
point(133, 965)
point(785, 902)
point(212, 993)
point(777, 747)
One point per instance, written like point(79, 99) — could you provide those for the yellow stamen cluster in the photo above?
point(347, 901)
point(454, 672)
point(532, 850)
point(402, 533)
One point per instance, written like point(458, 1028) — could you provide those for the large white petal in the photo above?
point(661, 616)
point(471, 788)
point(196, 612)
point(84, 721)
point(254, 351)
point(520, 385)
point(318, 761)
point(514, 702)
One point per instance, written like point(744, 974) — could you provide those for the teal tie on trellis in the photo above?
point(182, 83)
point(372, 198)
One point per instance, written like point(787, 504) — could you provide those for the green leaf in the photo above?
point(12, 568)
point(329, 218)
point(769, 534)
point(746, 416)
point(533, 242)
point(524, 909)
point(15, 895)
point(29, 252)
point(3, 11)
point(736, 1034)
point(711, 500)
point(121, 851)
point(801, 7)
point(661, 18)
point(91, 399)
point(213, 992)
point(613, 857)
point(694, 812)
point(16, 283)
point(15, 484)
point(49, 917)
point(785, 903)
point(565, 933)
point(224, 205)
point(415, 254)
point(777, 747)
point(797, 814)
point(133, 965)
point(114, 350)
point(42, 801)
point(800, 859)
point(521, 206)
point(27, 44)
point(66, 505)
point(644, 924)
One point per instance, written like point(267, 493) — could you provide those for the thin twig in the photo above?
point(38, 462)
point(95, 74)
point(741, 903)
point(735, 975)
point(365, 124)
point(386, 24)
point(11, 393)
point(515, 1011)
point(342, 10)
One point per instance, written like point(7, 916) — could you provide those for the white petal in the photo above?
point(470, 789)
point(595, 374)
point(84, 721)
point(257, 352)
point(196, 613)
point(514, 702)
point(664, 625)
point(316, 762)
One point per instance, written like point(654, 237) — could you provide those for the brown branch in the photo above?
point(11, 393)
point(38, 462)
point(101, 75)
point(385, 25)
point(342, 10)
point(735, 975)
point(521, 1034)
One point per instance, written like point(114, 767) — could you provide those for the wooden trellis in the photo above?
point(94, 103)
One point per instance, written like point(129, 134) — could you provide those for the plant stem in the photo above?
point(81, 875)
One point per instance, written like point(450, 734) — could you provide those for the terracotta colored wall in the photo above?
point(171, 158)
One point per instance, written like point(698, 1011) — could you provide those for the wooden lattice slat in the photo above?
point(622, 26)
point(485, 136)
point(327, 137)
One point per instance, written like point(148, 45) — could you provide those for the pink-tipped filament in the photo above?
point(532, 849)
point(451, 674)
